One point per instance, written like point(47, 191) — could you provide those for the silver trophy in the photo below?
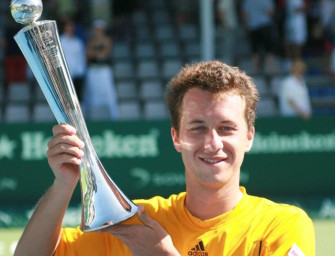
point(103, 203)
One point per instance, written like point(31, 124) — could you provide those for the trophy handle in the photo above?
point(103, 203)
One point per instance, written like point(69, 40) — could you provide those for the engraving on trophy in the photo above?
point(50, 48)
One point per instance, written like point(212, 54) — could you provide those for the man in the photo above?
point(100, 92)
point(228, 18)
point(293, 95)
point(212, 108)
point(257, 15)
point(75, 52)
point(295, 27)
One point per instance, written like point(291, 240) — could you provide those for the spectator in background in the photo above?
point(293, 95)
point(75, 54)
point(228, 18)
point(258, 18)
point(295, 30)
point(279, 21)
point(100, 90)
point(80, 29)
point(327, 11)
point(15, 63)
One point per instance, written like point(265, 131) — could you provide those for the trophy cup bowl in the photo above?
point(103, 203)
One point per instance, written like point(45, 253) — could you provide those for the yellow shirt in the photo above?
point(255, 227)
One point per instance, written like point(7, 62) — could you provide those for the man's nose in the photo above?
point(213, 141)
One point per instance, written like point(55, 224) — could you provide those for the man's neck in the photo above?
point(209, 203)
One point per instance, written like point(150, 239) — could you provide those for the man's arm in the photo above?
point(41, 235)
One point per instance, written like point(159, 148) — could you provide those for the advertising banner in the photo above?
point(290, 159)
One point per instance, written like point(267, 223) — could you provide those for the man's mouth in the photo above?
point(211, 161)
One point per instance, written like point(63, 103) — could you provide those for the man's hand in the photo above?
point(149, 239)
point(64, 154)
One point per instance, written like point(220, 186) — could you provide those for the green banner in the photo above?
point(290, 158)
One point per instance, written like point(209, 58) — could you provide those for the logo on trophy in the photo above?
point(103, 203)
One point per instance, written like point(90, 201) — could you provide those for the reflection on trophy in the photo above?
point(103, 203)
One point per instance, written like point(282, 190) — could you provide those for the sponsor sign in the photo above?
point(290, 158)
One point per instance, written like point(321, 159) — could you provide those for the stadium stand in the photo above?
point(42, 113)
point(16, 113)
point(144, 63)
point(130, 110)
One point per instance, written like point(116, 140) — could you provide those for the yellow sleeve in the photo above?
point(293, 229)
point(75, 242)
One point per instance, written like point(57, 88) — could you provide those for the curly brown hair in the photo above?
point(215, 77)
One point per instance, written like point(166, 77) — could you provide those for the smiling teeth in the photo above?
point(212, 161)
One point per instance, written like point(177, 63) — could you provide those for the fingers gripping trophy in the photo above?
point(103, 203)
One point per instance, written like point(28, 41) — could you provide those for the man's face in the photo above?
point(213, 137)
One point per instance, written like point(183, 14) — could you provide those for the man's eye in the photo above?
point(227, 128)
point(198, 128)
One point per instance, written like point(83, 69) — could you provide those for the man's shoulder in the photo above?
point(276, 210)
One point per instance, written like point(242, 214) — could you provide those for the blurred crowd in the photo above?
point(287, 29)
point(275, 28)
point(86, 30)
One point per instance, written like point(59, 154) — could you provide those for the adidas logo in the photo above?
point(198, 250)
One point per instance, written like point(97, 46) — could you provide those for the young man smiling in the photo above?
point(212, 108)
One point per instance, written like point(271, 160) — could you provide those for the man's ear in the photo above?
point(250, 139)
point(175, 139)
